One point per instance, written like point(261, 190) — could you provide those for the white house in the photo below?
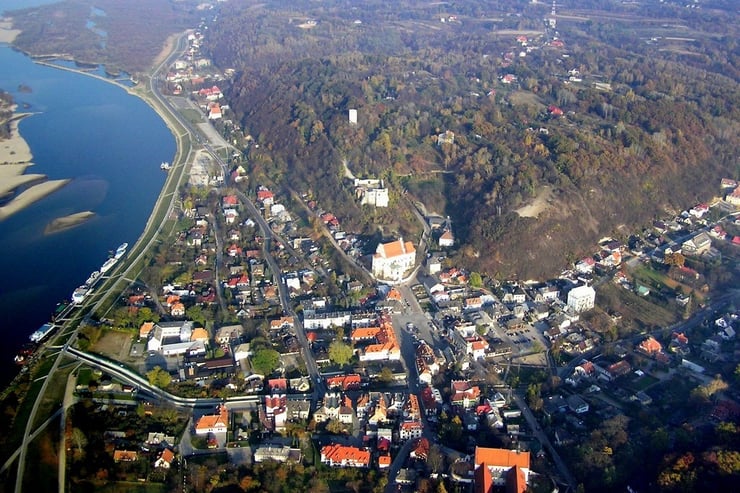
point(447, 239)
point(581, 298)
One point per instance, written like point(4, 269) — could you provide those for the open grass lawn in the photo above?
point(638, 383)
point(641, 311)
point(114, 344)
point(54, 394)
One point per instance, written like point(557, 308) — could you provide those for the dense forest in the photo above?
point(642, 128)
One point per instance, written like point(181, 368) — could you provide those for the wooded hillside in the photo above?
point(644, 127)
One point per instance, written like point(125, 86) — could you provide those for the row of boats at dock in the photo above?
point(78, 296)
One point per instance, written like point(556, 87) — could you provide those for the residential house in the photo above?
point(650, 346)
point(213, 423)
point(145, 329)
point(345, 456)
point(157, 439)
point(409, 430)
point(125, 456)
point(464, 394)
point(177, 309)
point(344, 382)
point(577, 404)
point(277, 453)
point(384, 346)
point(420, 449)
point(734, 197)
point(698, 245)
point(164, 461)
point(228, 333)
point(446, 239)
point(679, 344)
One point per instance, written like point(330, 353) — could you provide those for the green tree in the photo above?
point(340, 352)
point(436, 459)
point(159, 377)
point(335, 426)
point(386, 375)
point(534, 397)
point(728, 462)
point(196, 314)
point(79, 441)
point(265, 361)
point(476, 281)
point(146, 314)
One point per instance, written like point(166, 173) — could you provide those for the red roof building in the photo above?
point(650, 346)
point(499, 467)
point(345, 456)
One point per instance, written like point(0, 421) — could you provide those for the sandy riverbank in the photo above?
point(15, 150)
point(67, 222)
point(15, 158)
point(7, 33)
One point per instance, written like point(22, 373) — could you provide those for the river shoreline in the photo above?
point(7, 33)
point(15, 158)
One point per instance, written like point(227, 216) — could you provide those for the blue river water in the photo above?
point(110, 144)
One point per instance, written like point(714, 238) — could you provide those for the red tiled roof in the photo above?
point(500, 457)
point(483, 479)
point(516, 481)
point(338, 454)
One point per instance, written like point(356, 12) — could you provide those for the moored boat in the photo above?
point(79, 294)
point(108, 264)
point(42, 332)
point(93, 277)
point(121, 250)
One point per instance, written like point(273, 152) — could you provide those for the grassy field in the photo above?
point(638, 383)
point(54, 394)
point(634, 309)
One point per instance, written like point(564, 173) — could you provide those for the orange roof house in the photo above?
point(344, 456)
point(165, 459)
point(213, 423)
point(125, 456)
point(177, 309)
point(502, 467)
point(145, 329)
point(344, 382)
point(199, 334)
point(650, 346)
point(384, 461)
point(394, 295)
point(385, 345)
point(214, 111)
point(282, 323)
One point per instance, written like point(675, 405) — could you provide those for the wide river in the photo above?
point(110, 144)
